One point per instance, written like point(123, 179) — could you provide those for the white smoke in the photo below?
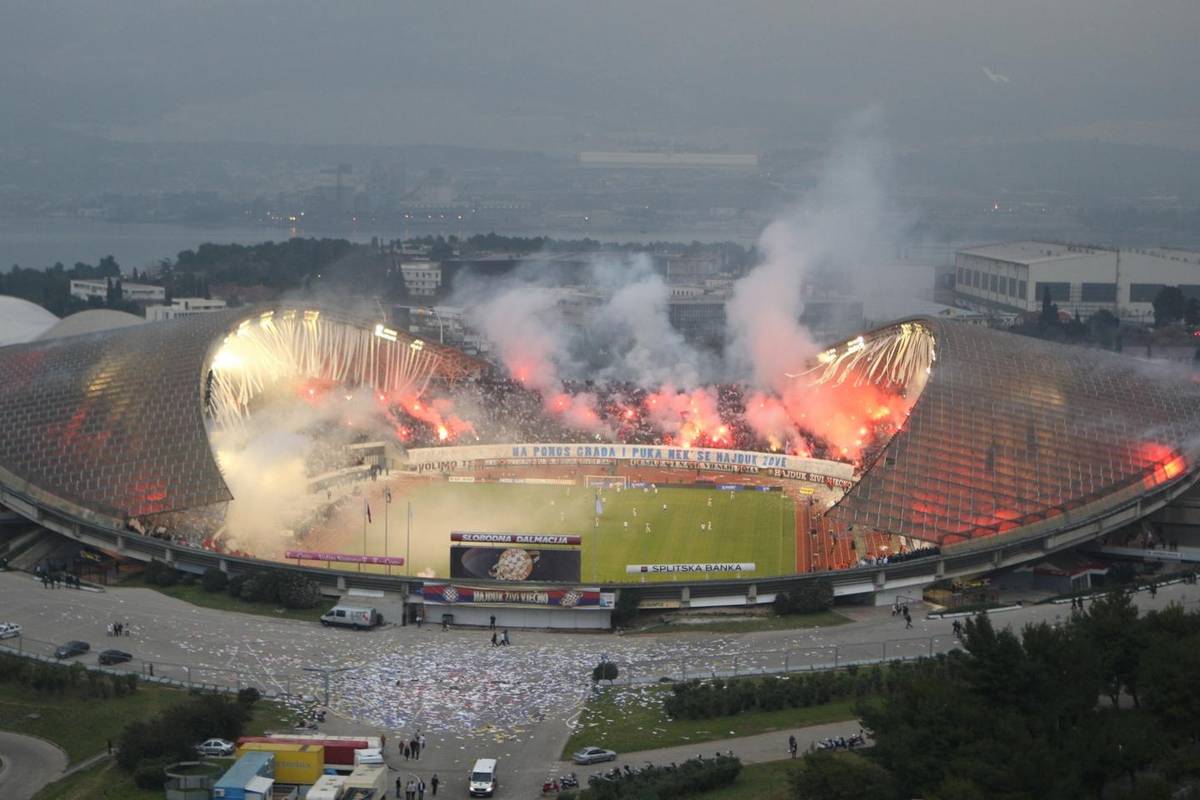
point(837, 234)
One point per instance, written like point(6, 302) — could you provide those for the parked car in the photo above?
point(215, 747)
point(110, 657)
point(9, 630)
point(71, 649)
point(593, 755)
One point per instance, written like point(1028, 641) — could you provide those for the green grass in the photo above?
point(631, 719)
point(106, 781)
point(80, 726)
point(771, 622)
point(196, 595)
point(748, 526)
point(765, 781)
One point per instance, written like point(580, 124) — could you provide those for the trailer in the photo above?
point(252, 777)
point(339, 750)
point(295, 764)
point(368, 783)
point(327, 787)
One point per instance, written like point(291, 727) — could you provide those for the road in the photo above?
point(469, 699)
point(28, 764)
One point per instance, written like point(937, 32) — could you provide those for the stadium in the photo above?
point(378, 462)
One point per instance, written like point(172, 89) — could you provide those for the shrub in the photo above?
point(807, 598)
point(262, 587)
point(150, 775)
point(214, 579)
point(689, 778)
point(295, 590)
point(249, 696)
point(604, 671)
point(234, 587)
point(166, 576)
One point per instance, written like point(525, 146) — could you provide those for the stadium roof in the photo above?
point(1011, 431)
point(1008, 431)
point(92, 320)
point(112, 423)
point(22, 321)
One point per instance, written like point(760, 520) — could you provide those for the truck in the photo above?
point(357, 617)
point(367, 783)
point(327, 787)
point(339, 750)
point(295, 764)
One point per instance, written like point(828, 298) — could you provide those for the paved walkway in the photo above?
point(750, 749)
point(28, 765)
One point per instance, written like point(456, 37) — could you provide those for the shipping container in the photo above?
point(339, 751)
point(296, 764)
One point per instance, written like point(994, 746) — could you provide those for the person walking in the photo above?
point(792, 746)
point(399, 787)
point(410, 790)
point(493, 638)
point(420, 789)
point(505, 639)
point(416, 749)
point(405, 750)
point(907, 619)
point(421, 740)
point(433, 784)
point(493, 622)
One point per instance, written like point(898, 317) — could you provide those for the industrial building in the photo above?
point(183, 307)
point(1080, 279)
point(135, 292)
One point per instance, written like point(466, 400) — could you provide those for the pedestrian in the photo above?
point(399, 787)
point(433, 784)
point(416, 749)
point(406, 750)
point(125, 628)
point(421, 740)
point(493, 622)
point(907, 620)
point(420, 619)
point(494, 639)
point(420, 789)
point(410, 790)
point(792, 746)
point(505, 640)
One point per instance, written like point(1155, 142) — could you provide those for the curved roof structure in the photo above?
point(93, 320)
point(112, 424)
point(1011, 431)
point(22, 321)
point(1007, 432)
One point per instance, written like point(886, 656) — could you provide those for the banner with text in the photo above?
point(687, 569)
point(307, 555)
point(457, 594)
point(450, 459)
point(514, 538)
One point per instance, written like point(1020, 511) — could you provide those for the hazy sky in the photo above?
point(579, 75)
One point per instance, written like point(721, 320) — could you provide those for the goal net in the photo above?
point(606, 481)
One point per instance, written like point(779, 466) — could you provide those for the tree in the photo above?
point(1103, 327)
point(604, 671)
point(1191, 313)
point(214, 580)
point(1169, 306)
point(1111, 624)
point(836, 776)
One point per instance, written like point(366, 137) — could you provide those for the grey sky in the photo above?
point(578, 75)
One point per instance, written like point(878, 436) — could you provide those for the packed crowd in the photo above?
point(896, 558)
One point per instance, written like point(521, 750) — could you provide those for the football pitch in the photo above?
point(686, 526)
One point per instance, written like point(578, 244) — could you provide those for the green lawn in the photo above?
point(769, 622)
point(196, 595)
point(747, 526)
point(106, 781)
point(632, 719)
point(82, 726)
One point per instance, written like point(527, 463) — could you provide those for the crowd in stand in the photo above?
point(904, 555)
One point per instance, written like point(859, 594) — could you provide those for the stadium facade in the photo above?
point(1015, 447)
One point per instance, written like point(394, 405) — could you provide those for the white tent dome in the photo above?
point(22, 321)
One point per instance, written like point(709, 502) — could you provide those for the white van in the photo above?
point(357, 617)
point(482, 781)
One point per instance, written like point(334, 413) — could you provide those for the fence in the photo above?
point(186, 676)
point(776, 662)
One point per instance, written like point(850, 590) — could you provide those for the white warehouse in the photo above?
point(1081, 279)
